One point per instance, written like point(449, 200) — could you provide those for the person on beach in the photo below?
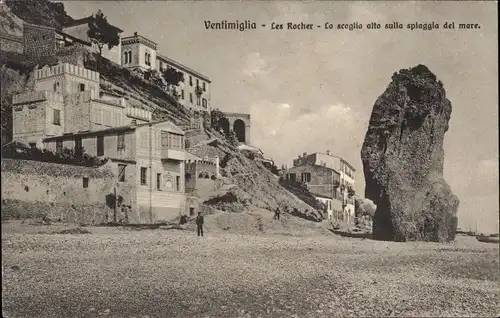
point(277, 214)
point(199, 224)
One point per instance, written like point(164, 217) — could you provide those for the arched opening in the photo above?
point(224, 123)
point(239, 130)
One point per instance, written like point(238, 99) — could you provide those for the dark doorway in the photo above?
point(239, 130)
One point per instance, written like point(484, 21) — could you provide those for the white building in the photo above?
point(141, 53)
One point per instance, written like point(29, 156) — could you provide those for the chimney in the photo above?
point(328, 152)
point(304, 154)
point(135, 34)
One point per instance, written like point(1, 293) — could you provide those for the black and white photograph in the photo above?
point(249, 158)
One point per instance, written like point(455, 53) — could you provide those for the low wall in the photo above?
point(65, 193)
point(11, 43)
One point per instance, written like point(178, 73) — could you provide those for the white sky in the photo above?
point(311, 91)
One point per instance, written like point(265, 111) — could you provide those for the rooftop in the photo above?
point(86, 20)
point(183, 67)
point(113, 130)
point(136, 38)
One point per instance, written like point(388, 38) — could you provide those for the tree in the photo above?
point(363, 206)
point(102, 33)
point(153, 76)
point(172, 77)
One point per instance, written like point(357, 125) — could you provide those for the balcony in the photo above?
point(173, 154)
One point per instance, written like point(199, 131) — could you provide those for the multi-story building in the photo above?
point(321, 182)
point(149, 160)
point(343, 168)
point(141, 53)
point(67, 100)
point(68, 110)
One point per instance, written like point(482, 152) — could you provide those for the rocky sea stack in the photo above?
point(403, 159)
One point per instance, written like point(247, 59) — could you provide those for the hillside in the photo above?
point(249, 185)
point(41, 12)
point(9, 23)
point(138, 92)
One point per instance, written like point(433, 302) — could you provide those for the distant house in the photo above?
point(78, 29)
point(41, 40)
point(328, 178)
point(141, 53)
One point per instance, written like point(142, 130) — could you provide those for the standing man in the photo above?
point(199, 224)
point(277, 214)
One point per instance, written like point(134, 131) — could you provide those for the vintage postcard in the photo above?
point(249, 158)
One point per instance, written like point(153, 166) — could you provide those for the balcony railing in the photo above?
point(173, 154)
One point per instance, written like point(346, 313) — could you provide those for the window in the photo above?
point(32, 145)
point(144, 171)
point(306, 177)
point(292, 176)
point(85, 182)
point(81, 87)
point(57, 117)
point(190, 80)
point(182, 94)
point(78, 146)
point(198, 100)
point(204, 87)
point(178, 183)
point(191, 98)
point(121, 172)
point(100, 145)
point(158, 181)
point(169, 140)
point(191, 211)
point(121, 141)
point(205, 103)
point(55, 88)
point(197, 83)
point(59, 146)
point(129, 57)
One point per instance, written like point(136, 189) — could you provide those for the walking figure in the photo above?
point(199, 224)
point(277, 214)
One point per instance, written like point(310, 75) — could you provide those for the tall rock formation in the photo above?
point(403, 159)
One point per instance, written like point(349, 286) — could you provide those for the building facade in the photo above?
point(321, 183)
point(67, 100)
point(66, 109)
point(39, 40)
point(346, 177)
point(150, 163)
point(141, 53)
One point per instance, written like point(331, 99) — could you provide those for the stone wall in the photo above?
point(74, 54)
point(39, 40)
point(11, 43)
point(58, 192)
